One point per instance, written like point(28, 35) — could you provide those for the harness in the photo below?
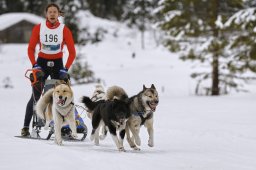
point(143, 119)
point(63, 117)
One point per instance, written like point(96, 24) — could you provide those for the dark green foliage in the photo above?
point(229, 50)
point(110, 9)
point(80, 71)
point(140, 14)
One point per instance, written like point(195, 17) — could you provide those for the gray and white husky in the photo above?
point(142, 106)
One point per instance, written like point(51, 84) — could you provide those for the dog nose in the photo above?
point(156, 102)
point(60, 97)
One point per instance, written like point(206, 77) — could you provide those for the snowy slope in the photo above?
point(199, 133)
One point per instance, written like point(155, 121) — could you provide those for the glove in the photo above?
point(37, 74)
point(36, 67)
point(63, 74)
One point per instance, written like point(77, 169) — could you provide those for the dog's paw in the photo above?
point(135, 148)
point(150, 143)
point(96, 142)
point(58, 142)
point(121, 149)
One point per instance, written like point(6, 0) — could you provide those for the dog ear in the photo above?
point(144, 87)
point(152, 86)
point(68, 82)
point(56, 84)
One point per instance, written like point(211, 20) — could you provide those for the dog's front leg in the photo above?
point(112, 131)
point(104, 131)
point(95, 136)
point(135, 129)
point(149, 125)
point(129, 138)
point(72, 124)
point(121, 142)
point(57, 128)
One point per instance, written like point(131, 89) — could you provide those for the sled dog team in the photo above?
point(111, 111)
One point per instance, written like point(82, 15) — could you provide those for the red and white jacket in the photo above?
point(67, 39)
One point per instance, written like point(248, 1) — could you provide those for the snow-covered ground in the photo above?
point(191, 132)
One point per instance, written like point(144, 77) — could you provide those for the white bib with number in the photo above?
point(51, 39)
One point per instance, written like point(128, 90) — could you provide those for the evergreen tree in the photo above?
point(110, 9)
point(140, 14)
point(70, 9)
point(242, 44)
point(80, 71)
point(36, 7)
point(11, 6)
point(195, 27)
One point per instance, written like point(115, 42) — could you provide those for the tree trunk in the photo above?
point(215, 62)
point(142, 40)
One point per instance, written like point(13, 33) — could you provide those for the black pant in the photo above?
point(50, 68)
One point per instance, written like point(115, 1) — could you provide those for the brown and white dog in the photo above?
point(57, 104)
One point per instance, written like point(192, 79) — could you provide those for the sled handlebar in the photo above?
point(28, 71)
point(33, 75)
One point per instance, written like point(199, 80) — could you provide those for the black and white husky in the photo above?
point(113, 114)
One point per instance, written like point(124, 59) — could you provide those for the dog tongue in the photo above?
point(153, 106)
point(62, 102)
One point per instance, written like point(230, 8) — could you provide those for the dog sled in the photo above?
point(38, 123)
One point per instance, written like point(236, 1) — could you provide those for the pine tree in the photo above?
point(11, 6)
point(36, 7)
point(195, 28)
point(70, 9)
point(110, 9)
point(80, 70)
point(139, 13)
point(242, 44)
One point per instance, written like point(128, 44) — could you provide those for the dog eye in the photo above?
point(64, 91)
point(150, 96)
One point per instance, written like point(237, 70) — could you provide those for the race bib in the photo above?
point(51, 39)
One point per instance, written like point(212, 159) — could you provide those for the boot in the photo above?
point(25, 132)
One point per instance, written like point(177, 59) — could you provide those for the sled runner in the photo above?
point(38, 123)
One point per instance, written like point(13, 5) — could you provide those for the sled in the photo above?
point(38, 123)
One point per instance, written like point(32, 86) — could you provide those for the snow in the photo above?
point(247, 15)
point(9, 19)
point(191, 132)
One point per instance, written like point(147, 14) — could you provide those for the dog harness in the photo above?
point(143, 119)
point(63, 117)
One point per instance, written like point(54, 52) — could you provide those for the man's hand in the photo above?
point(63, 74)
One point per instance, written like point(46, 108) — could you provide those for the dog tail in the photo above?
point(43, 102)
point(89, 103)
point(116, 92)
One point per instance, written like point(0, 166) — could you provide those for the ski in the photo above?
point(30, 137)
point(65, 138)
